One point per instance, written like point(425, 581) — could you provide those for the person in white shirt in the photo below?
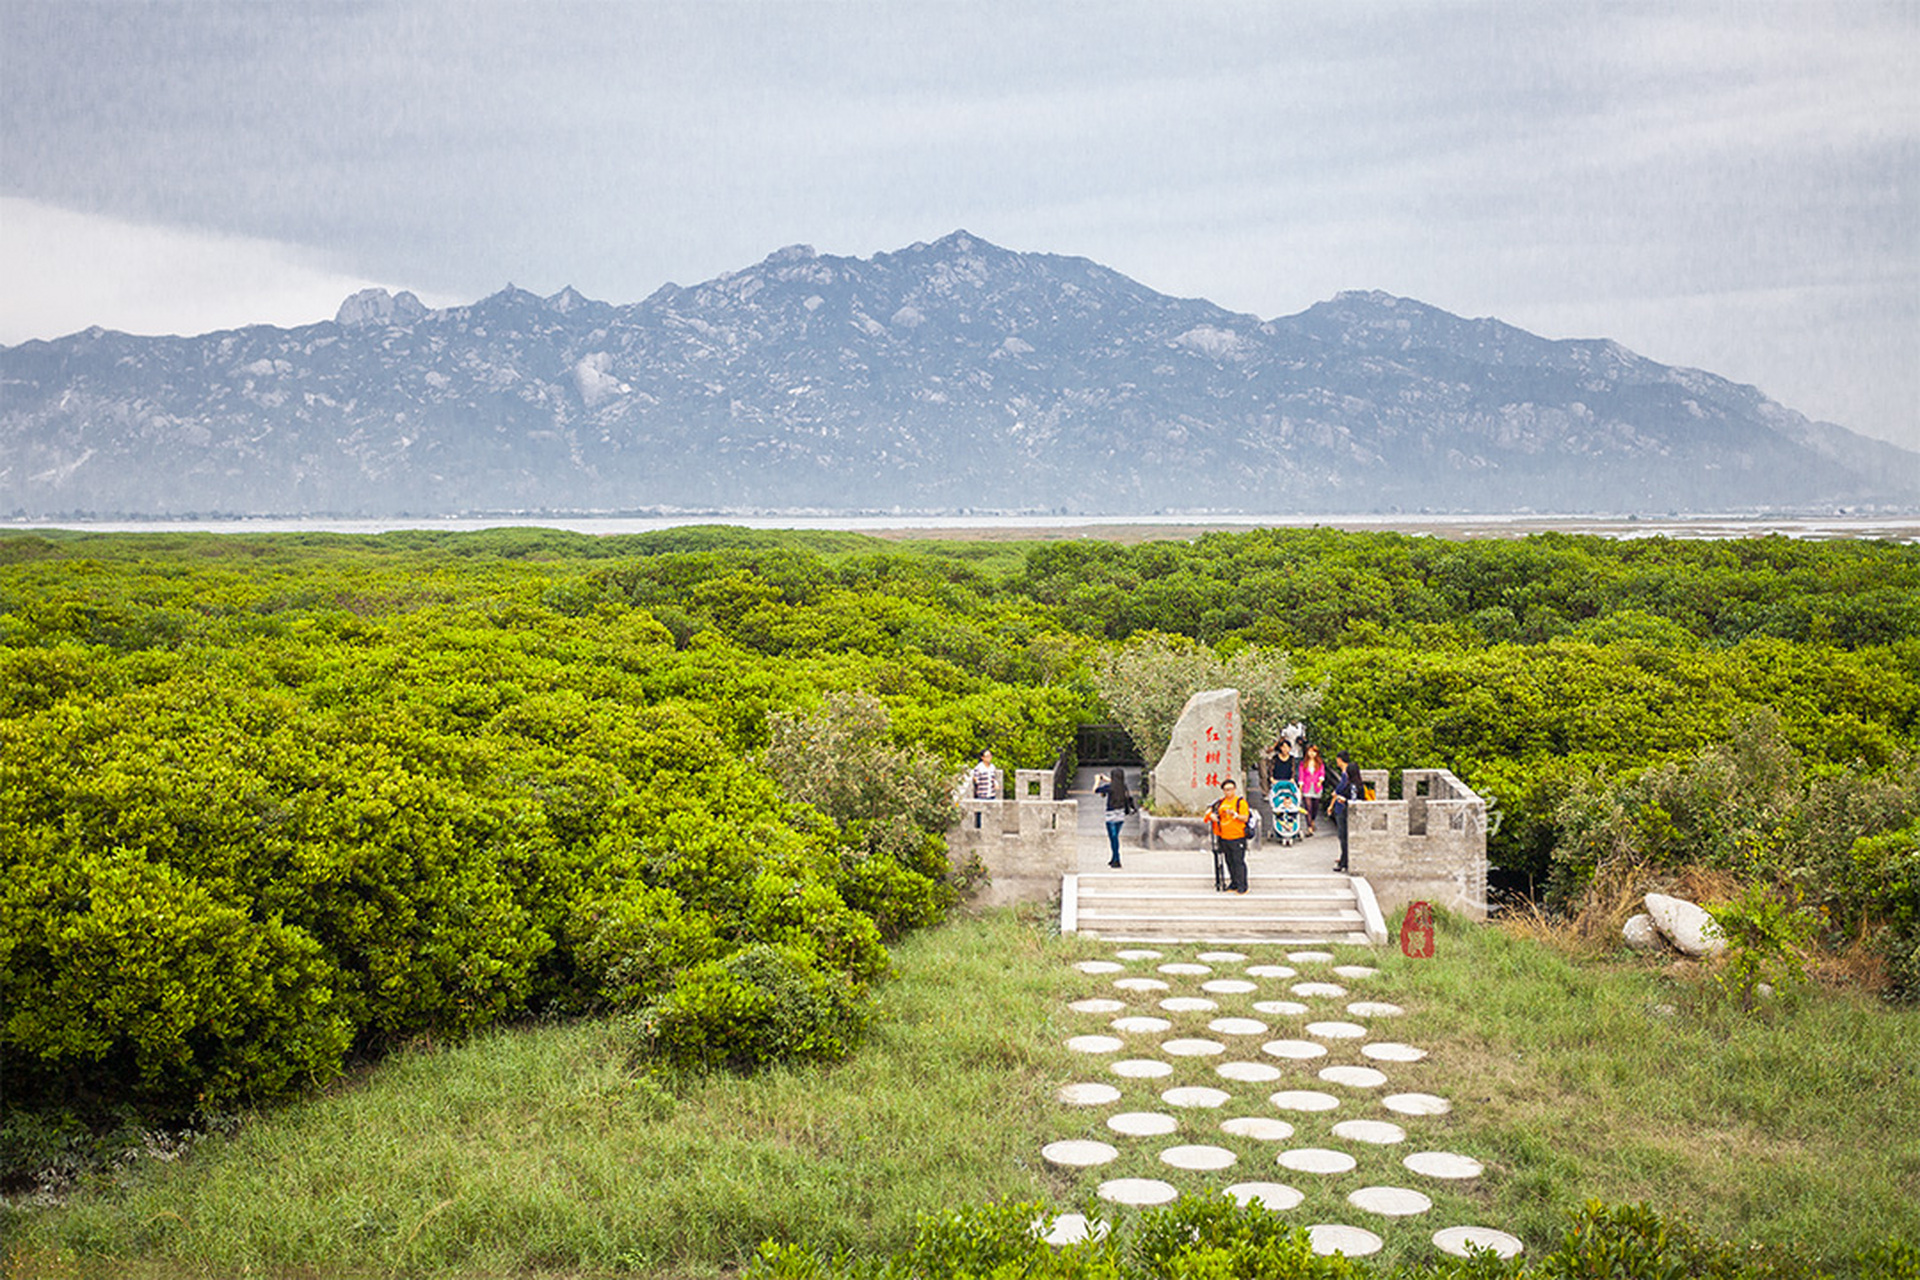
point(986, 778)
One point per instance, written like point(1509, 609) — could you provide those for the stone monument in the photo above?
point(1203, 752)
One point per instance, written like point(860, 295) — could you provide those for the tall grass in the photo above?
point(539, 1149)
point(1629, 1079)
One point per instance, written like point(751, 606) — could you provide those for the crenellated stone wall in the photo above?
point(1026, 841)
point(1430, 845)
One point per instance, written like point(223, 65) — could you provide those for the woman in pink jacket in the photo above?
point(1313, 780)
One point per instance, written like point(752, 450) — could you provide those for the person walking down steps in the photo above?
point(1230, 818)
point(1119, 804)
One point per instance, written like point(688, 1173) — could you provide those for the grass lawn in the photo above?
point(539, 1149)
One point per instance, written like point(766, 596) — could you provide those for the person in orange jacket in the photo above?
point(1229, 817)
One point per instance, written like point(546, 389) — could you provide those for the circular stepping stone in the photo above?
point(1443, 1164)
point(1189, 1004)
point(1140, 1191)
point(1332, 990)
point(1078, 1153)
point(1416, 1104)
point(1221, 957)
point(1229, 986)
point(1138, 1024)
point(1247, 1072)
point(1309, 957)
point(1088, 1095)
point(1378, 1133)
point(1099, 966)
point(1329, 1238)
point(1137, 953)
point(1140, 984)
point(1390, 1202)
point(1237, 1027)
point(1196, 1095)
point(1141, 1068)
point(1095, 1044)
point(1317, 1160)
point(1271, 971)
point(1259, 1128)
point(1299, 1050)
point(1198, 1156)
point(1192, 1048)
point(1097, 1006)
point(1303, 1100)
point(1355, 971)
point(1354, 1077)
point(1281, 1008)
point(1461, 1241)
point(1336, 1030)
point(1389, 1051)
point(1374, 1009)
point(1142, 1124)
point(1275, 1196)
point(1068, 1228)
point(1185, 970)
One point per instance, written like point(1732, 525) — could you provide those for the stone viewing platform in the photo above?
point(1428, 846)
point(1026, 840)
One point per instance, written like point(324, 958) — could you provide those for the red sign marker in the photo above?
point(1416, 932)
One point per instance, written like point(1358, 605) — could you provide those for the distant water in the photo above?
point(1130, 528)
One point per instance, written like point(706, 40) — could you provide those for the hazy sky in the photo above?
point(1734, 187)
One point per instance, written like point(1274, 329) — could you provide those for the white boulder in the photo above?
point(1640, 933)
point(1687, 926)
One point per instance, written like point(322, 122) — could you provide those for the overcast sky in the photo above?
point(1734, 187)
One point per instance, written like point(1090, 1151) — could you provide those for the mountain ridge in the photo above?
point(944, 376)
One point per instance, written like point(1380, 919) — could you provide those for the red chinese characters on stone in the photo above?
point(1416, 932)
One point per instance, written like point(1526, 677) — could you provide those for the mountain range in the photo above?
point(945, 377)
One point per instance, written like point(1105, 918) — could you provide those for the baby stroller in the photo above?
point(1287, 813)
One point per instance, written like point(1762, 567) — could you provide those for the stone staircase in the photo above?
point(1168, 906)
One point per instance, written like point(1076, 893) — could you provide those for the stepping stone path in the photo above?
point(1324, 1103)
point(1247, 1072)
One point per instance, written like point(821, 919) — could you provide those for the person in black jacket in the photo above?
point(1346, 787)
point(1120, 803)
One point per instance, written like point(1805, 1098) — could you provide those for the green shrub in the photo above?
point(1767, 943)
point(894, 898)
point(633, 941)
point(760, 1005)
point(982, 1240)
point(1880, 885)
point(1638, 1243)
point(843, 761)
point(121, 974)
point(1200, 1238)
point(788, 908)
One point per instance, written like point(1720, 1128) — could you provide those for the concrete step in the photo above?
point(1227, 937)
point(1182, 906)
point(1319, 915)
point(1160, 881)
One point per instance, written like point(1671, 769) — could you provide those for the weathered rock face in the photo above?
point(944, 377)
point(1687, 926)
point(1203, 752)
point(377, 306)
